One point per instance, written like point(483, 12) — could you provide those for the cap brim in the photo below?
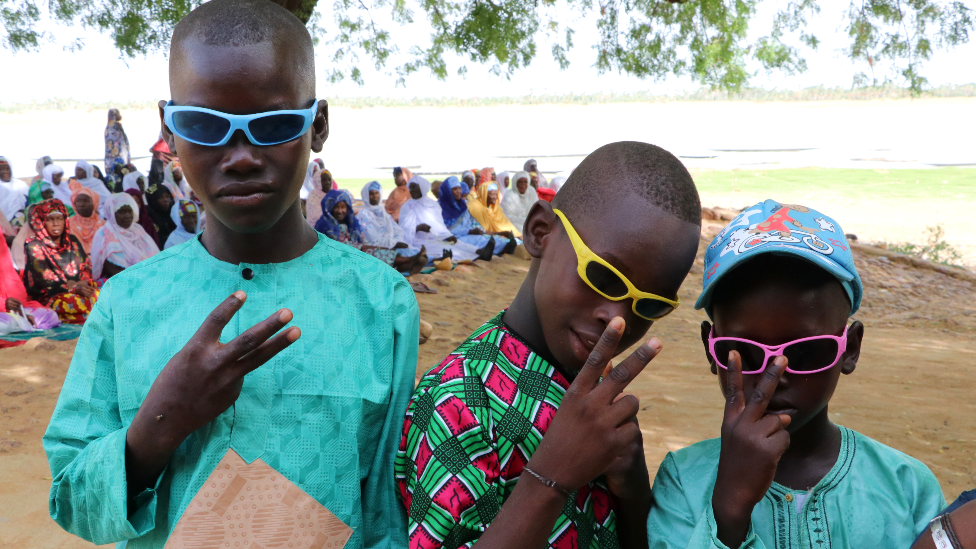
point(817, 259)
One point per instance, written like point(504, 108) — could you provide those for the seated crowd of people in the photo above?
point(65, 237)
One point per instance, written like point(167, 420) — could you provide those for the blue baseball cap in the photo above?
point(771, 227)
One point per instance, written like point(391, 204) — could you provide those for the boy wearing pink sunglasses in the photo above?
point(782, 474)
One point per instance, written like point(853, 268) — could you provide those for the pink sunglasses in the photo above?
point(805, 356)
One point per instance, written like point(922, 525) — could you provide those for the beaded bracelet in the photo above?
point(548, 482)
point(943, 535)
point(947, 524)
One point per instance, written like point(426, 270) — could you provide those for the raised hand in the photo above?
point(198, 384)
point(593, 426)
point(752, 445)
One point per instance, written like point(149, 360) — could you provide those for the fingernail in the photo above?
point(617, 323)
point(655, 343)
point(780, 361)
point(285, 316)
point(293, 335)
point(240, 295)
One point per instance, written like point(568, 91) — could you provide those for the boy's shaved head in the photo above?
point(238, 23)
point(649, 171)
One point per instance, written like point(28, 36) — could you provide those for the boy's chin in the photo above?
point(252, 222)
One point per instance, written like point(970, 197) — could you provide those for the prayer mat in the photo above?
point(64, 332)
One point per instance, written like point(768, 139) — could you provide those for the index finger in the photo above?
point(213, 325)
point(620, 377)
point(601, 354)
point(733, 382)
point(759, 399)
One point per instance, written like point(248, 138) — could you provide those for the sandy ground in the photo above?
point(913, 390)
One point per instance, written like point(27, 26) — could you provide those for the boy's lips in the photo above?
point(780, 406)
point(245, 194)
point(581, 344)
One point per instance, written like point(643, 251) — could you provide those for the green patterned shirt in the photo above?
point(473, 424)
point(874, 496)
point(326, 412)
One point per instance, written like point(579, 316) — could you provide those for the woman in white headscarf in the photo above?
point(378, 227)
point(85, 176)
point(135, 180)
point(320, 179)
point(504, 182)
point(120, 243)
point(39, 167)
point(312, 181)
point(171, 172)
point(186, 215)
point(519, 199)
point(13, 195)
point(423, 226)
point(54, 175)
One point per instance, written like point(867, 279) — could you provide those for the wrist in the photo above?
point(731, 518)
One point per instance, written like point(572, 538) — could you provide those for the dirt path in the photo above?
point(913, 389)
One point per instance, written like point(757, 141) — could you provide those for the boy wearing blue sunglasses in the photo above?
point(513, 440)
point(780, 286)
point(175, 386)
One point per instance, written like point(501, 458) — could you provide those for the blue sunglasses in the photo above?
point(214, 128)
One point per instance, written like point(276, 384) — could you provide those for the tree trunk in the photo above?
point(301, 8)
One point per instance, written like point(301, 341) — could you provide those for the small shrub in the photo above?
point(936, 249)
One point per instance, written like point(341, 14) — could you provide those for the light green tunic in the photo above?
point(326, 412)
point(874, 496)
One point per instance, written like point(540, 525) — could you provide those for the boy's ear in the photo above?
point(855, 334)
point(706, 328)
point(167, 135)
point(539, 226)
point(320, 126)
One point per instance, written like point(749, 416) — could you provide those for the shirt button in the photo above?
point(789, 497)
point(248, 274)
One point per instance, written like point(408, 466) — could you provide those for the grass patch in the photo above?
point(935, 184)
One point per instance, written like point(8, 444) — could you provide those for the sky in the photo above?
point(82, 75)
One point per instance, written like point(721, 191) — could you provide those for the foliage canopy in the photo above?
point(709, 40)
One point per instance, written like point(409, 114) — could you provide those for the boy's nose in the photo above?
point(610, 309)
point(241, 155)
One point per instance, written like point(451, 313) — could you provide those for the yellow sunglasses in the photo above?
point(610, 283)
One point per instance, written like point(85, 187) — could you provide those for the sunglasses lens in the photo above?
point(605, 280)
point(809, 356)
point(752, 355)
point(200, 127)
point(652, 308)
point(277, 128)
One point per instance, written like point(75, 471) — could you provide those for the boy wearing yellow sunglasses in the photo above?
point(513, 440)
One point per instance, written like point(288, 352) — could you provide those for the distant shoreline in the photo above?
point(747, 95)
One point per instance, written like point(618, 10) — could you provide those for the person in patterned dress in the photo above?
point(511, 441)
point(58, 272)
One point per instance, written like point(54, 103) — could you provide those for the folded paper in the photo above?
point(252, 506)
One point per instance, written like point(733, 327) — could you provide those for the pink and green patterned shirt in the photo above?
point(472, 425)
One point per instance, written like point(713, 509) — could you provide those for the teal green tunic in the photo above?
point(874, 496)
point(326, 412)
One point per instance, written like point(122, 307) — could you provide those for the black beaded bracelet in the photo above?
point(548, 482)
point(947, 526)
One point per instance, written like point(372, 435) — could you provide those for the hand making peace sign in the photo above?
point(592, 426)
point(752, 445)
point(198, 384)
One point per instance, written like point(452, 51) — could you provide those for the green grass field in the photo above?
point(934, 184)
